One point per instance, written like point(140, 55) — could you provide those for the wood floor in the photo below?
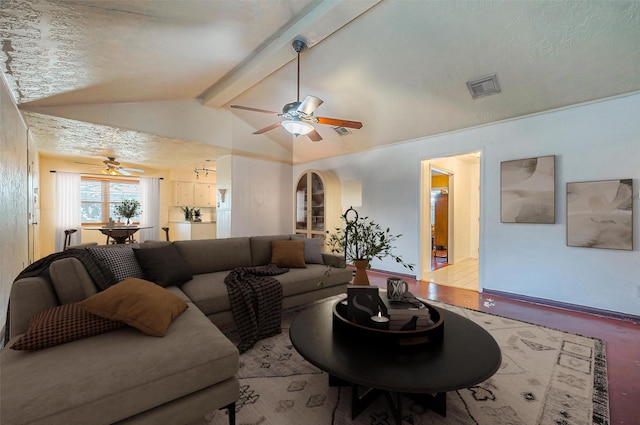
point(622, 338)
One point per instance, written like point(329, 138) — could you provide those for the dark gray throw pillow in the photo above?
point(312, 249)
point(163, 265)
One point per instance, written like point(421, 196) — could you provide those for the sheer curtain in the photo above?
point(67, 207)
point(150, 205)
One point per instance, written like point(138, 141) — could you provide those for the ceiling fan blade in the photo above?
point(122, 171)
point(309, 104)
point(268, 128)
point(314, 136)
point(248, 108)
point(88, 163)
point(338, 122)
point(135, 170)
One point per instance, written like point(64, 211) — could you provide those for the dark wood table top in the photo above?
point(119, 233)
point(466, 356)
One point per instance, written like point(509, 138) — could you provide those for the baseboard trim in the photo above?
point(565, 306)
point(400, 275)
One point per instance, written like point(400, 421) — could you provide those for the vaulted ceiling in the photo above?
point(151, 82)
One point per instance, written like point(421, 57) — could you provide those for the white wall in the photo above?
point(262, 197)
point(13, 197)
point(390, 193)
point(591, 142)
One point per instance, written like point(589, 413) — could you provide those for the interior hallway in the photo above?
point(462, 274)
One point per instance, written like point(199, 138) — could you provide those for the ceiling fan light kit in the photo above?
point(299, 115)
point(112, 167)
point(297, 127)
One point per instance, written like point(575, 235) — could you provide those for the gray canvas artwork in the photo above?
point(600, 214)
point(527, 190)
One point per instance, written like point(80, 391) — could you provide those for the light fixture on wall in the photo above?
point(204, 170)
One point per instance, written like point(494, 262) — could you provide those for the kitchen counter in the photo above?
point(190, 222)
point(192, 230)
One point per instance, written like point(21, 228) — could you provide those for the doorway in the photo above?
point(450, 220)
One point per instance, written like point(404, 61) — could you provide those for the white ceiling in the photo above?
point(399, 66)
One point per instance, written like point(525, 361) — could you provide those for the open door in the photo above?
point(449, 220)
point(441, 227)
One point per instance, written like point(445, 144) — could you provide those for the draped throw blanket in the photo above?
point(256, 302)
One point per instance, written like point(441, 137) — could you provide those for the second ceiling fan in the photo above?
point(298, 115)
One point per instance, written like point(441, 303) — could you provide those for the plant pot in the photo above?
point(361, 277)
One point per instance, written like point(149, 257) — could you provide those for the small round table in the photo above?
point(466, 356)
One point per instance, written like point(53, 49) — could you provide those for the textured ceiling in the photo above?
point(400, 67)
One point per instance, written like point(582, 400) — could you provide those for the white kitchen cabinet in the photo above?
point(184, 195)
point(190, 194)
point(187, 231)
point(204, 195)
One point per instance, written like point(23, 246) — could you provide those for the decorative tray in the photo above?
point(419, 336)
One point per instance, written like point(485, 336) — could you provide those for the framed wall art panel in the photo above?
point(527, 190)
point(600, 214)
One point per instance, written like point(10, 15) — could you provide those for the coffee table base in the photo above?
point(361, 400)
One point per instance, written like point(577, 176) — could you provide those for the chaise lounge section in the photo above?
point(124, 376)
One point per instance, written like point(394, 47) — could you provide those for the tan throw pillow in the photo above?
point(288, 254)
point(62, 324)
point(138, 303)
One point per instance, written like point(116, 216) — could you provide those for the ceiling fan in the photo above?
point(298, 115)
point(113, 168)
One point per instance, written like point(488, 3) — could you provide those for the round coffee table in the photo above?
point(466, 356)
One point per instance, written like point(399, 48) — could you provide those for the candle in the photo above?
point(379, 321)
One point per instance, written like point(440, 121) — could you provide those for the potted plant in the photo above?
point(361, 241)
point(188, 213)
point(128, 208)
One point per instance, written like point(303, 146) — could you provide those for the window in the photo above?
point(98, 197)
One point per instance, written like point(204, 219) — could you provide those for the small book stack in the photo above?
point(409, 314)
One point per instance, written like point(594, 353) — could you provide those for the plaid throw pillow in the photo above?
point(62, 324)
point(120, 259)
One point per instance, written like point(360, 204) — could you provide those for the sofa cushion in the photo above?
point(112, 376)
point(70, 280)
point(261, 248)
point(139, 303)
point(214, 255)
point(62, 324)
point(289, 254)
point(312, 249)
point(120, 259)
point(163, 265)
point(208, 292)
point(298, 281)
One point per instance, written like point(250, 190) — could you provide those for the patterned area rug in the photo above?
point(546, 377)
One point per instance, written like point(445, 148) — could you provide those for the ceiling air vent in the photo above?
point(484, 86)
point(341, 131)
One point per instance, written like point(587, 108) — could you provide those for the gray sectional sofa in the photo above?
point(126, 377)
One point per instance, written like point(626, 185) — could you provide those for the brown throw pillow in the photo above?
point(139, 303)
point(62, 324)
point(288, 254)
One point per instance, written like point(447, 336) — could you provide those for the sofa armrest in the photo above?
point(333, 260)
point(29, 296)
